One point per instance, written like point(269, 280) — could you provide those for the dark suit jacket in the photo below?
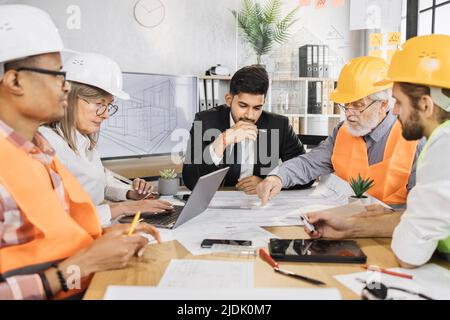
point(198, 161)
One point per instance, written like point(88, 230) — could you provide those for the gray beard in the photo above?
point(364, 128)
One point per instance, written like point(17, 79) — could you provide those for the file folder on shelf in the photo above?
point(215, 88)
point(321, 61)
point(315, 61)
point(326, 62)
point(305, 61)
point(209, 94)
point(202, 101)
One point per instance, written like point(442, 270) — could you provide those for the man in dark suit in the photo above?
point(240, 135)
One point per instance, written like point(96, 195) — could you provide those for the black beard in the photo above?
point(411, 129)
point(247, 120)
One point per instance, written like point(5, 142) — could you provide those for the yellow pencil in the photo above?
point(134, 223)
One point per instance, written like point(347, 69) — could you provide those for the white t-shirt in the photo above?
point(87, 167)
point(427, 217)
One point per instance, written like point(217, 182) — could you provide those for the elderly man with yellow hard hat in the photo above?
point(420, 73)
point(368, 143)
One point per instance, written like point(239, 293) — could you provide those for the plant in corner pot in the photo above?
point(262, 25)
point(168, 182)
point(360, 186)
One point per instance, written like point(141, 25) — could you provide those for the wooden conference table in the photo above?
point(148, 269)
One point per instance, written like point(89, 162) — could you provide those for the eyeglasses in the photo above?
point(59, 74)
point(379, 291)
point(101, 108)
point(344, 107)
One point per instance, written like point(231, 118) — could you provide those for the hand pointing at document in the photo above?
point(268, 189)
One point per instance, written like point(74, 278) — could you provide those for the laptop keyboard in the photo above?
point(162, 219)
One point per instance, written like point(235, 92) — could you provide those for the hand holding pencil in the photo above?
point(130, 231)
point(134, 223)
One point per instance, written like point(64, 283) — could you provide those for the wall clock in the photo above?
point(149, 13)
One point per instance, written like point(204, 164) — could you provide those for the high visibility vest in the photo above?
point(444, 248)
point(57, 234)
point(390, 176)
point(443, 245)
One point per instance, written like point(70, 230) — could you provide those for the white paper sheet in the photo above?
point(207, 274)
point(431, 280)
point(292, 218)
point(191, 236)
point(156, 293)
point(245, 223)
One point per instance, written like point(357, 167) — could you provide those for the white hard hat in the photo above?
point(440, 98)
point(26, 31)
point(96, 70)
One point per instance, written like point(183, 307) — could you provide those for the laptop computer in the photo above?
point(198, 201)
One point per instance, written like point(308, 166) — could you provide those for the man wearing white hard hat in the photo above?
point(48, 224)
point(95, 81)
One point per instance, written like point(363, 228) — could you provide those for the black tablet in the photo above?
point(339, 251)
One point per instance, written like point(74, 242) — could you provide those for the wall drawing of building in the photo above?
point(145, 121)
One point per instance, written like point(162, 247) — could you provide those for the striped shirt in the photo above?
point(15, 229)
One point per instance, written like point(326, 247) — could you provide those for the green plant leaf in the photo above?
point(272, 10)
point(168, 174)
point(360, 185)
point(261, 25)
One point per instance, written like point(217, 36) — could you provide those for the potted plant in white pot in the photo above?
point(360, 186)
point(168, 182)
point(262, 25)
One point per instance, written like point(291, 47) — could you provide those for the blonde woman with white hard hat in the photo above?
point(51, 240)
point(96, 80)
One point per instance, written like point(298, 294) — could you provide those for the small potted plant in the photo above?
point(360, 186)
point(168, 182)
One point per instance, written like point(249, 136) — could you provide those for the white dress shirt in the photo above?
point(247, 159)
point(427, 217)
point(87, 167)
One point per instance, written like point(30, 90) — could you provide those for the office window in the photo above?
point(403, 24)
point(442, 24)
point(433, 17)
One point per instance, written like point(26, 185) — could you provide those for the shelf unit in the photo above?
point(289, 96)
point(212, 90)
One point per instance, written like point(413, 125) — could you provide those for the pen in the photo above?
point(392, 273)
point(267, 258)
point(130, 182)
point(134, 223)
point(149, 194)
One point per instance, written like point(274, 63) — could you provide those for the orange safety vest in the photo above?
point(390, 176)
point(58, 235)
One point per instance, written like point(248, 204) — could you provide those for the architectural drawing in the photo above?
point(144, 124)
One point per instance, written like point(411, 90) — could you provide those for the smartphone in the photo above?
point(307, 224)
point(331, 251)
point(207, 243)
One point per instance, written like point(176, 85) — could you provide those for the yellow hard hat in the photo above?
point(358, 77)
point(422, 60)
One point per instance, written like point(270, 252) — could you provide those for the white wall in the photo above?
point(194, 34)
